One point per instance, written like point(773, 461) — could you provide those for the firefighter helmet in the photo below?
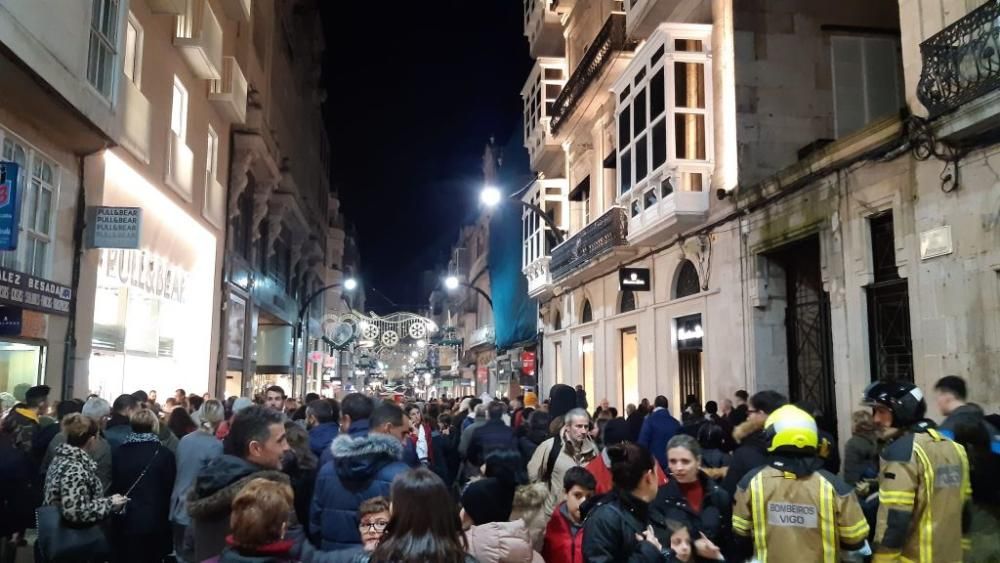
point(792, 430)
point(905, 400)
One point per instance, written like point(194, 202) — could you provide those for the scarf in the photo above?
point(139, 438)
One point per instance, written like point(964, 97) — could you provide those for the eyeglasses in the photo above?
point(752, 411)
point(375, 526)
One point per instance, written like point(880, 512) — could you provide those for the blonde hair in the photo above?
point(260, 513)
point(78, 429)
point(144, 421)
point(211, 414)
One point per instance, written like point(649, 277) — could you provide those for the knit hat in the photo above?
point(488, 500)
point(530, 400)
point(616, 431)
point(562, 399)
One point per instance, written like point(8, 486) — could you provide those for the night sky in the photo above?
point(415, 90)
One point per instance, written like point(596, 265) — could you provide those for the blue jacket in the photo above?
point(362, 468)
point(358, 429)
point(322, 436)
point(658, 428)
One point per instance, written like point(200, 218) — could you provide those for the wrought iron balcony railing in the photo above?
point(609, 40)
point(962, 61)
point(595, 240)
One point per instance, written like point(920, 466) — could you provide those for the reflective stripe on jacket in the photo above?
point(924, 491)
point(798, 518)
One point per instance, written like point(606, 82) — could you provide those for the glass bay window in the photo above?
point(664, 117)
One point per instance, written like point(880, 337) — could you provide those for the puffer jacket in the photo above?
point(362, 468)
point(529, 502)
point(713, 519)
point(210, 500)
point(610, 527)
point(563, 538)
point(501, 542)
point(72, 484)
point(751, 454)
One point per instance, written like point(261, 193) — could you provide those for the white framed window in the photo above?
point(132, 59)
point(179, 110)
point(103, 51)
point(211, 156)
point(664, 117)
point(39, 185)
point(867, 80)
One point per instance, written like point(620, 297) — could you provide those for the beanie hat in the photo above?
point(530, 399)
point(562, 399)
point(241, 403)
point(616, 431)
point(488, 500)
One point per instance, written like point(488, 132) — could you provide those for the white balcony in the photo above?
point(539, 278)
point(199, 37)
point(540, 91)
point(176, 7)
point(662, 210)
point(229, 93)
point(542, 28)
point(643, 16)
point(180, 167)
point(134, 110)
point(215, 202)
point(238, 10)
point(482, 336)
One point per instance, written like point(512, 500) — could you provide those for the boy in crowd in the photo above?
point(564, 533)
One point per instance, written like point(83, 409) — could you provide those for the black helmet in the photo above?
point(905, 400)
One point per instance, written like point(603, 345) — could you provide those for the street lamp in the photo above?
point(490, 196)
point(350, 284)
point(451, 283)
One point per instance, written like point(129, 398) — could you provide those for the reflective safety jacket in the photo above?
point(924, 493)
point(804, 517)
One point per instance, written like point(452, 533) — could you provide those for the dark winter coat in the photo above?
point(751, 454)
point(860, 458)
point(117, 429)
point(303, 481)
point(362, 468)
point(20, 488)
point(610, 527)
point(739, 415)
point(658, 428)
point(635, 421)
point(211, 498)
point(321, 436)
point(141, 532)
point(491, 436)
point(528, 443)
point(358, 429)
point(968, 426)
point(714, 519)
point(446, 460)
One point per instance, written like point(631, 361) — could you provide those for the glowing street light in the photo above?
point(350, 284)
point(490, 196)
point(451, 283)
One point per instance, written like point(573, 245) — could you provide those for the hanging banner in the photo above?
point(528, 363)
point(9, 208)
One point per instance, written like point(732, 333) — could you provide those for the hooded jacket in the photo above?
point(322, 436)
point(362, 468)
point(210, 500)
point(501, 542)
point(751, 454)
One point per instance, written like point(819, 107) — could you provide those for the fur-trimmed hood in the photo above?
point(220, 481)
point(745, 429)
point(359, 459)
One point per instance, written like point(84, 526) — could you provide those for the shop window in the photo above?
point(39, 181)
point(21, 367)
point(687, 280)
point(630, 366)
point(179, 110)
point(586, 312)
point(626, 301)
point(867, 80)
point(132, 66)
point(103, 51)
point(587, 364)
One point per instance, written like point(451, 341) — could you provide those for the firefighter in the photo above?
point(791, 509)
point(924, 486)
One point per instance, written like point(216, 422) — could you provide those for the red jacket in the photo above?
point(602, 473)
point(563, 541)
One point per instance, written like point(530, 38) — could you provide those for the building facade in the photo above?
point(761, 195)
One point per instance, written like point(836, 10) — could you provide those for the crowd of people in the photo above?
point(268, 479)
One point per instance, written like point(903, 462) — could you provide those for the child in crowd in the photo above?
point(374, 517)
point(564, 533)
point(682, 545)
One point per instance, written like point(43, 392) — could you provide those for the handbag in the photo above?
point(59, 540)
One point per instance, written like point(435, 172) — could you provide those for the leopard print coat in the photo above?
point(72, 484)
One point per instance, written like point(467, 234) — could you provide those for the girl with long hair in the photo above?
point(416, 533)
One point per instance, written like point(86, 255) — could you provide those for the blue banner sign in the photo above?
point(9, 208)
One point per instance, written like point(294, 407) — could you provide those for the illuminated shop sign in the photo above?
point(143, 270)
point(689, 333)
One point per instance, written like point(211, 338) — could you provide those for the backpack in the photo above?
point(550, 462)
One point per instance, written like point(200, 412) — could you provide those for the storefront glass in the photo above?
point(587, 363)
point(21, 367)
point(630, 367)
